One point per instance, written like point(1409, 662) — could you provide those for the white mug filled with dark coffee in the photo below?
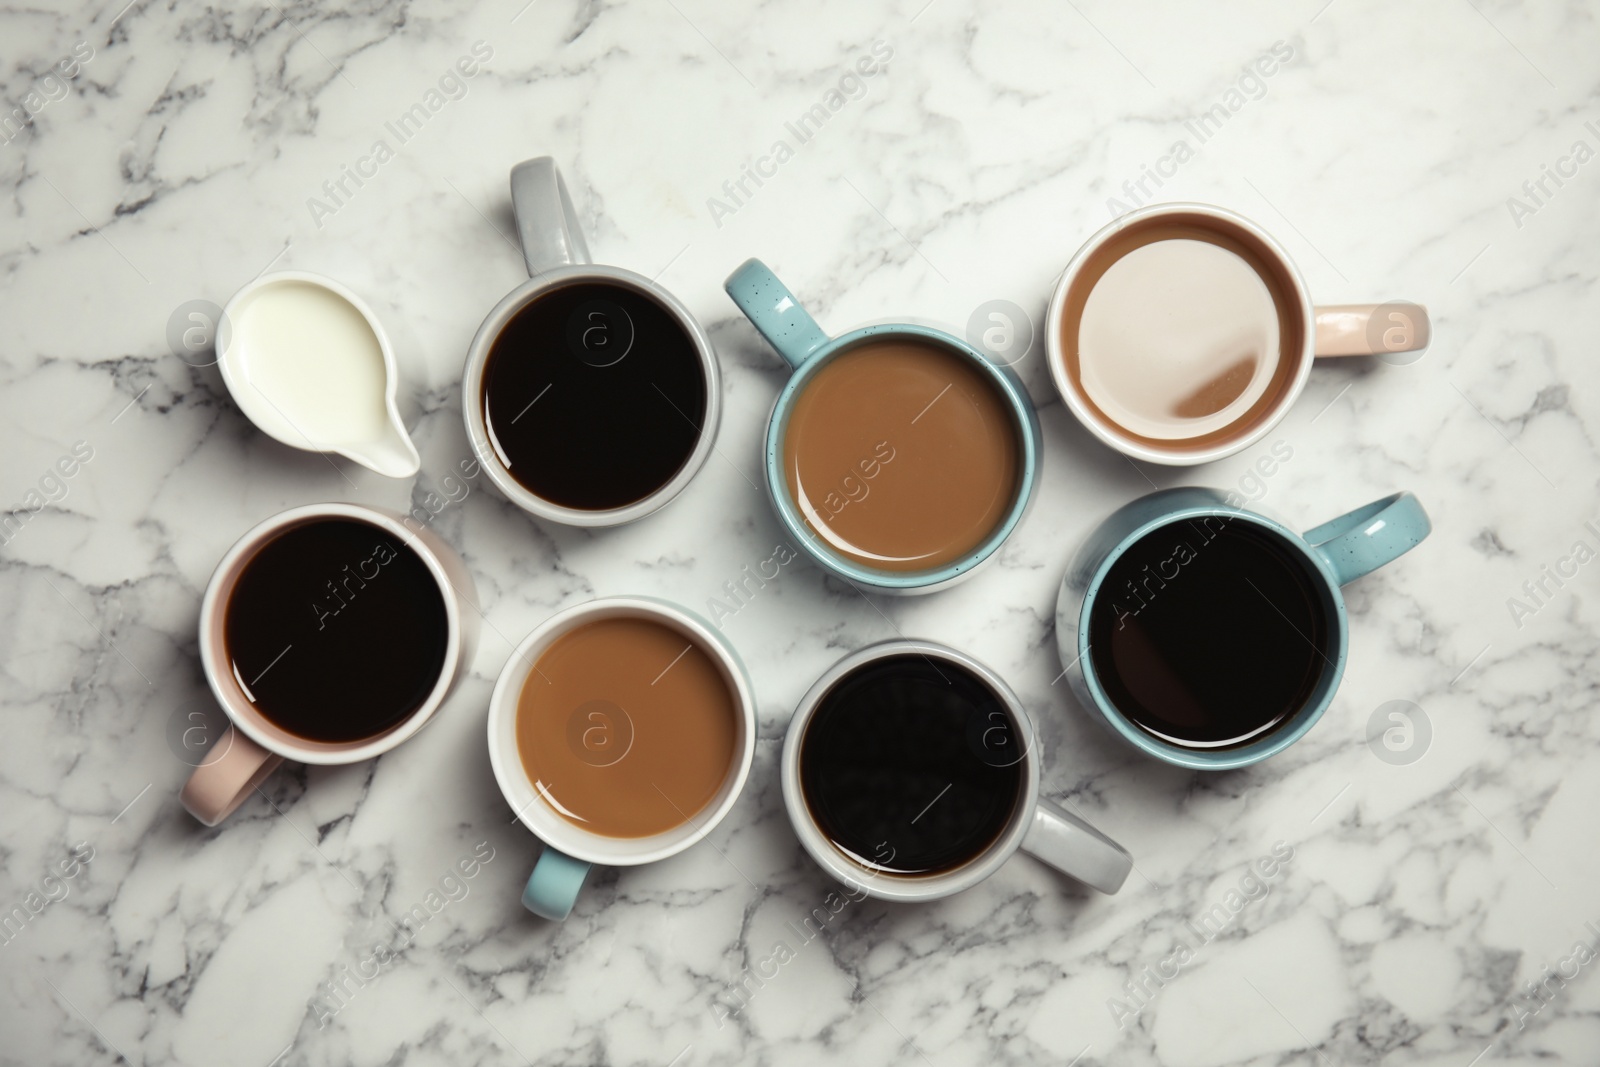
point(911, 772)
point(329, 633)
point(591, 394)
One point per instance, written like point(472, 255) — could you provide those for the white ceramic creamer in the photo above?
point(308, 363)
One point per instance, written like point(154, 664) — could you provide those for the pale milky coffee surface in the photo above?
point(1178, 339)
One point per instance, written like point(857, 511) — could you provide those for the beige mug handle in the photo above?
point(1372, 329)
point(234, 767)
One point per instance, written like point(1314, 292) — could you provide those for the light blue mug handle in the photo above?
point(768, 304)
point(1363, 540)
point(554, 885)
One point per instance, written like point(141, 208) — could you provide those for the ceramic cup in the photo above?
point(1037, 826)
point(1305, 331)
point(308, 362)
point(786, 325)
point(570, 850)
point(253, 746)
point(1334, 554)
point(557, 255)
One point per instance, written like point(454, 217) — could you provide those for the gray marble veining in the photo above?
point(1430, 899)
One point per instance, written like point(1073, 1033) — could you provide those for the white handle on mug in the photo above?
point(1072, 846)
point(1037, 826)
point(556, 255)
point(547, 223)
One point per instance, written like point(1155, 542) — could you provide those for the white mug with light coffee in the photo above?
point(621, 732)
point(1182, 333)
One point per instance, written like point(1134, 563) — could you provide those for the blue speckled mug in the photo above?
point(775, 312)
point(1334, 554)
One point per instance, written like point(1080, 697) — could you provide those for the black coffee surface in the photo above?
point(910, 766)
point(1209, 634)
point(336, 630)
point(594, 396)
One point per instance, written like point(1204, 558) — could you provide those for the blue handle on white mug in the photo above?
point(554, 885)
point(774, 311)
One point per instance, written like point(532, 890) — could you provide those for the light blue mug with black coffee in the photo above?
point(1133, 665)
point(786, 325)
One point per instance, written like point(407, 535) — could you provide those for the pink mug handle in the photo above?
point(1372, 329)
point(234, 767)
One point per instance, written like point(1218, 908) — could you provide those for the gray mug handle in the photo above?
point(547, 224)
point(1072, 846)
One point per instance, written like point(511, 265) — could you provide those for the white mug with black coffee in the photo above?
point(329, 634)
point(591, 394)
point(911, 772)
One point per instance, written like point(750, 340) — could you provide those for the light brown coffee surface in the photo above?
point(626, 727)
point(902, 455)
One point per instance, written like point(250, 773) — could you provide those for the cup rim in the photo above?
point(251, 722)
point(1216, 759)
point(1025, 422)
point(909, 887)
point(535, 813)
point(1110, 433)
point(246, 398)
point(472, 389)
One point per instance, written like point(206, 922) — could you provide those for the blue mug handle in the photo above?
point(1361, 541)
point(769, 304)
point(554, 885)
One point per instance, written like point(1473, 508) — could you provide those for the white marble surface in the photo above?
point(178, 162)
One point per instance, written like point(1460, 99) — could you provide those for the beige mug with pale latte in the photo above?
point(1182, 333)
